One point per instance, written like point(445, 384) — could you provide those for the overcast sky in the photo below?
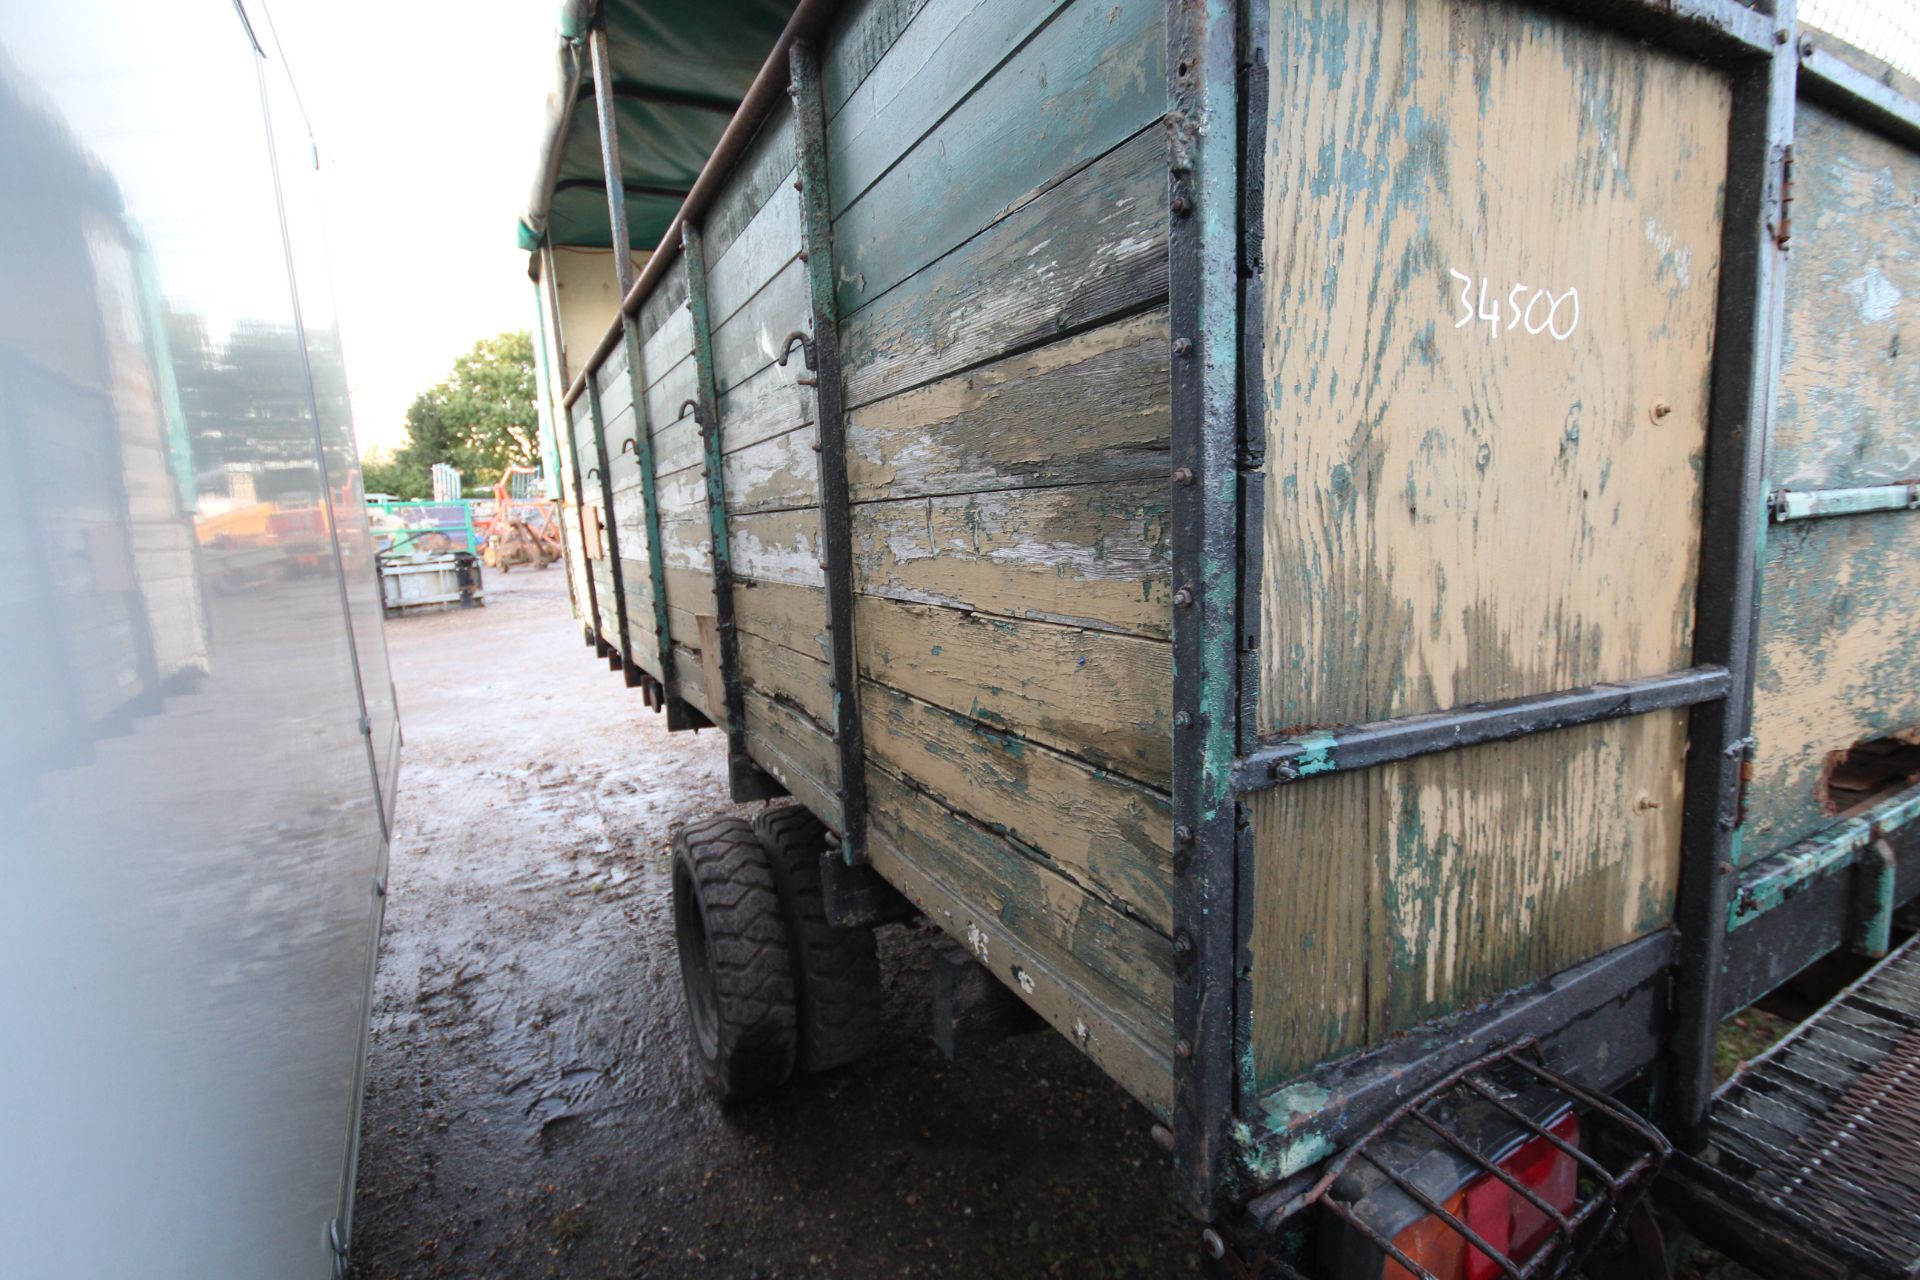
point(427, 115)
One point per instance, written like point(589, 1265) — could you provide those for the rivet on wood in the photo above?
point(1182, 205)
point(1183, 475)
point(1661, 409)
point(1183, 834)
point(1183, 597)
point(1181, 719)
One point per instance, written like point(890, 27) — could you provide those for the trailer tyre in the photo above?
point(836, 971)
point(734, 962)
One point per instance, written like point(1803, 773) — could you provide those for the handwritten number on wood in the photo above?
point(1557, 315)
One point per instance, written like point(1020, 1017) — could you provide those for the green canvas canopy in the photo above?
point(679, 72)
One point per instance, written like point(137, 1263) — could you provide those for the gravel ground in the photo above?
point(530, 1109)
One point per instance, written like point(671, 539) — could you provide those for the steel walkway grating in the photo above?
point(1822, 1132)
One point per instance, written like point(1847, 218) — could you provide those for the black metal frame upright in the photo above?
point(822, 352)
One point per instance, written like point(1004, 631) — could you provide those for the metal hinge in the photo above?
point(1783, 230)
point(1743, 752)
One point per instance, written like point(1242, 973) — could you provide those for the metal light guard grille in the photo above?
point(1603, 1197)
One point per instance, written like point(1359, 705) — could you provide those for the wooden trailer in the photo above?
point(1337, 548)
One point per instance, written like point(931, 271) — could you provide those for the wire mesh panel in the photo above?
point(1819, 1132)
point(1887, 29)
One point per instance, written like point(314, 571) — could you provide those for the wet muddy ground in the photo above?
point(530, 1110)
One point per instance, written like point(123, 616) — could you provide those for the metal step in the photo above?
point(1813, 1162)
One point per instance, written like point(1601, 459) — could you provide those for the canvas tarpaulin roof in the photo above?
point(679, 71)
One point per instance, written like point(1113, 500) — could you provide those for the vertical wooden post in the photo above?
point(679, 715)
point(836, 520)
point(1203, 252)
point(746, 780)
point(1745, 381)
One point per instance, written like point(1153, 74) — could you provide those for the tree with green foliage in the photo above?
point(481, 419)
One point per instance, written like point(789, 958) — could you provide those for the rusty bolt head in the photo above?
point(1661, 409)
point(1184, 1049)
point(1183, 475)
point(1806, 48)
point(1782, 36)
point(1183, 834)
point(1182, 205)
point(1182, 944)
point(1183, 346)
point(1182, 719)
point(1183, 597)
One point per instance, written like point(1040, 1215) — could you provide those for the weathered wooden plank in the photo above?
point(676, 446)
point(1849, 386)
point(787, 676)
point(669, 295)
point(687, 684)
point(1088, 81)
point(765, 405)
point(765, 167)
point(668, 394)
point(862, 34)
point(1094, 694)
point(1837, 628)
point(765, 245)
point(687, 543)
point(1087, 409)
point(1025, 279)
point(670, 344)
point(750, 339)
point(778, 546)
point(797, 752)
point(1111, 837)
point(1103, 980)
point(780, 473)
point(1416, 888)
point(930, 66)
point(1839, 634)
point(1084, 555)
point(1481, 496)
point(614, 385)
point(794, 616)
point(682, 491)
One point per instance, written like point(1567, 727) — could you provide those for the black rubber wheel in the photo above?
point(734, 961)
point(836, 971)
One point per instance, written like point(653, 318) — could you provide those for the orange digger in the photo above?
point(520, 532)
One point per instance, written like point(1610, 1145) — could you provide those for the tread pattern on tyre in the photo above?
point(836, 971)
point(748, 954)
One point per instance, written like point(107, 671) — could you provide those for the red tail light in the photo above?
point(1501, 1216)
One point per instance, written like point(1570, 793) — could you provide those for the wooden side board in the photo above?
point(1838, 628)
point(1463, 508)
point(1473, 495)
point(1389, 896)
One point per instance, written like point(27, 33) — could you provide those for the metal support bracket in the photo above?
point(822, 355)
point(1813, 504)
point(746, 780)
point(1203, 203)
point(1745, 380)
